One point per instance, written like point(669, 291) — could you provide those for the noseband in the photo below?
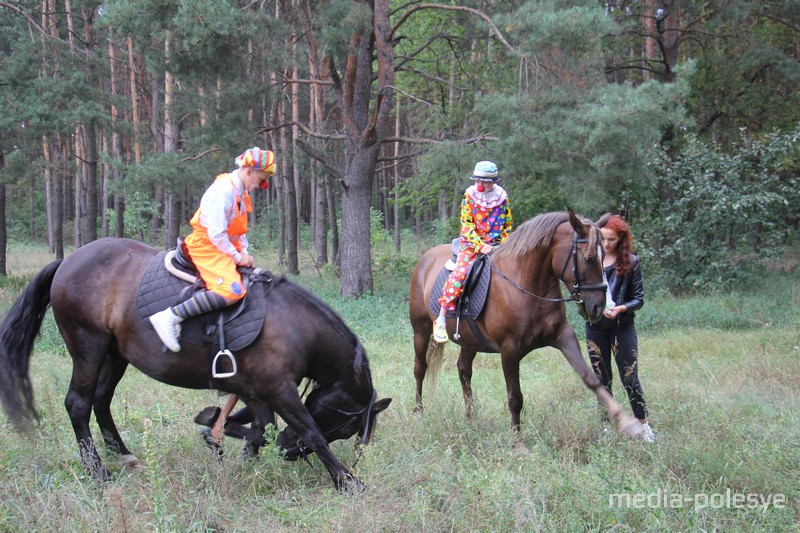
point(365, 415)
point(576, 278)
point(574, 291)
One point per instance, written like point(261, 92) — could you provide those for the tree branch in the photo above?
point(470, 10)
point(201, 154)
point(311, 151)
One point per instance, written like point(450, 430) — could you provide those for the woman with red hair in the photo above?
point(615, 331)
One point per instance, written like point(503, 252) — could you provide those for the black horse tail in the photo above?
point(18, 331)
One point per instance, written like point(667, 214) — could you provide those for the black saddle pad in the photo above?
point(159, 289)
point(476, 288)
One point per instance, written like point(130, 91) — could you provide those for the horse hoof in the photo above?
point(212, 444)
point(351, 485)
point(131, 462)
point(632, 430)
point(207, 416)
point(521, 449)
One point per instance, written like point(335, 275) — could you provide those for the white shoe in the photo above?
point(168, 326)
point(647, 433)
point(440, 330)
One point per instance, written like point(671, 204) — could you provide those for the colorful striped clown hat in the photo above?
point(258, 159)
point(485, 171)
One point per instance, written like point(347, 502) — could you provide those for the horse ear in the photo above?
point(603, 220)
point(380, 405)
point(580, 228)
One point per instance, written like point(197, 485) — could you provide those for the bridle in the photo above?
point(364, 415)
point(575, 292)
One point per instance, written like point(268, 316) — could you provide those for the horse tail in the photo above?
point(18, 331)
point(434, 357)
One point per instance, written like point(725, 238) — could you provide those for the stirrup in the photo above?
point(231, 358)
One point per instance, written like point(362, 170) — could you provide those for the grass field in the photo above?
point(721, 374)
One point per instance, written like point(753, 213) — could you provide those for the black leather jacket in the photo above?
point(627, 290)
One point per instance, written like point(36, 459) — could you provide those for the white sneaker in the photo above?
point(440, 330)
point(647, 433)
point(168, 326)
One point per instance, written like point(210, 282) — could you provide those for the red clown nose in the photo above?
point(480, 187)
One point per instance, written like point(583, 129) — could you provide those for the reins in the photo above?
point(574, 292)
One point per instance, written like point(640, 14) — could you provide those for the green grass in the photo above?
point(721, 374)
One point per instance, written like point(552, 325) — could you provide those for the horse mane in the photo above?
point(360, 361)
point(536, 233)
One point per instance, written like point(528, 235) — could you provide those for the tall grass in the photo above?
point(721, 374)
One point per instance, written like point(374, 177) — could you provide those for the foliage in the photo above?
point(720, 216)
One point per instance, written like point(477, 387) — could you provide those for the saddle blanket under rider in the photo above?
point(473, 297)
point(160, 289)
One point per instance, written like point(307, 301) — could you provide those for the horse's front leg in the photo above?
point(569, 346)
point(300, 420)
point(465, 359)
point(510, 361)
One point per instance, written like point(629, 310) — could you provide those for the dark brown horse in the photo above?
point(92, 294)
point(524, 309)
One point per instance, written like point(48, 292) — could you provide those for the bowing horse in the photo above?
point(523, 310)
point(93, 292)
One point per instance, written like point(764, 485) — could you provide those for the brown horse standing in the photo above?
point(92, 293)
point(524, 309)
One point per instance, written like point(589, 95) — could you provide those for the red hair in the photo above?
point(625, 245)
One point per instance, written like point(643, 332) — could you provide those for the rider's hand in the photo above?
point(486, 249)
point(246, 260)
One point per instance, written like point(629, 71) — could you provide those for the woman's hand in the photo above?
point(613, 312)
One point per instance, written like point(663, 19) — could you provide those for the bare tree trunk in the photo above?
point(48, 193)
point(58, 199)
point(293, 190)
point(79, 173)
point(137, 146)
point(116, 146)
point(280, 186)
point(172, 204)
point(3, 233)
point(104, 203)
point(332, 221)
point(396, 188)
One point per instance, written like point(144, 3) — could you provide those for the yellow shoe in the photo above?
point(440, 330)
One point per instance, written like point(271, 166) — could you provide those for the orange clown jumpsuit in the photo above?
point(220, 235)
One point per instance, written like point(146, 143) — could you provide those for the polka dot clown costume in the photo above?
point(485, 222)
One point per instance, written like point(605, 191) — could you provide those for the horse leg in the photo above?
point(510, 362)
point(297, 416)
point(262, 415)
point(89, 350)
point(465, 359)
point(113, 369)
point(422, 339)
point(569, 346)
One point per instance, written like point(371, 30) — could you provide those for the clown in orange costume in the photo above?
point(485, 222)
point(218, 243)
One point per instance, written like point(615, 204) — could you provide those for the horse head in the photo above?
point(585, 278)
point(338, 415)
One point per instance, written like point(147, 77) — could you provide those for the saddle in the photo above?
point(171, 279)
point(472, 299)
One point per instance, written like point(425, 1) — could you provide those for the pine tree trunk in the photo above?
point(3, 234)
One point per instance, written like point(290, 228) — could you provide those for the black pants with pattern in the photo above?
point(606, 337)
